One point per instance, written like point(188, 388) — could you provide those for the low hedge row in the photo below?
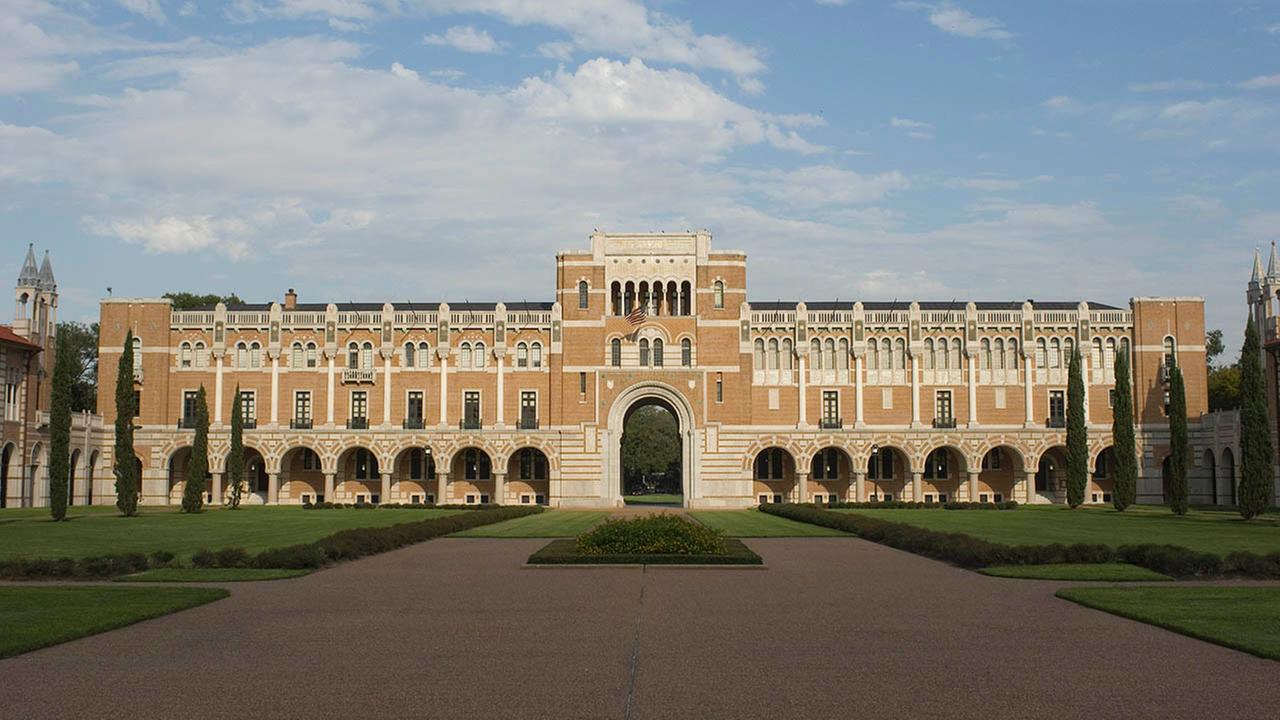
point(905, 505)
point(651, 535)
point(971, 552)
point(393, 506)
point(342, 545)
point(565, 552)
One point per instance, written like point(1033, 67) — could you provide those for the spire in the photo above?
point(29, 276)
point(1256, 280)
point(48, 283)
point(1273, 267)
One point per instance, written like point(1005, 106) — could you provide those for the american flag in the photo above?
point(636, 317)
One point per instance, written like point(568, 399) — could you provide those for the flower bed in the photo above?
point(565, 552)
point(656, 539)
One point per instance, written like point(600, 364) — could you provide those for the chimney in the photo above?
point(291, 300)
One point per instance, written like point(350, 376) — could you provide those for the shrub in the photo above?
point(161, 558)
point(908, 505)
point(293, 557)
point(203, 558)
point(231, 557)
point(653, 535)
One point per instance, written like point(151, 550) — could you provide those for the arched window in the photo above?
point(900, 354)
point(255, 355)
point(584, 298)
point(1170, 352)
point(475, 464)
point(424, 354)
point(644, 352)
point(137, 355)
point(718, 290)
point(843, 363)
point(786, 354)
point(886, 354)
point(826, 464)
point(956, 353)
point(773, 353)
point(615, 352)
point(929, 353)
point(1096, 361)
point(478, 356)
point(944, 355)
point(770, 464)
point(936, 466)
point(202, 357)
point(535, 355)
point(759, 354)
point(686, 352)
point(242, 355)
point(353, 355)
point(815, 349)
point(615, 297)
point(673, 299)
point(409, 355)
point(686, 297)
point(296, 357)
point(1042, 353)
point(1055, 353)
point(311, 354)
point(657, 352)
point(366, 356)
point(1124, 350)
point(1109, 358)
point(522, 355)
point(873, 354)
point(984, 354)
point(184, 355)
point(1013, 353)
point(1068, 351)
point(829, 354)
point(998, 354)
point(464, 355)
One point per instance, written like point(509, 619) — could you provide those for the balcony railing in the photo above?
point(527, 424)
point(186, 423)
point(831, 423)
point(249, 424)
point(470, 424)
point(414, 423)
point(944, 423)
point(1056, 421)
point(357, 375)
point(358, 423)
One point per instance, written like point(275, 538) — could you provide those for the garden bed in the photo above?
point(651, 540)
point(565, 552)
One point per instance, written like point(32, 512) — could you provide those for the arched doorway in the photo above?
point(1102, 482)
point(528, 477)
point(359, 479)
point(301, 478)
point(887, 473)
point(6, 458)
point(413, 477)
point(89, 471)
point(1000, 473)
point(943, 469)
point(1051, 475)
point(773, 473)
point(1210, 467)
point(32, 495)
point(1229, 474)
point(651, 454)
point(471, 477)
point(71, 476)
point(638, 395)
point(830, 475)
point(178, 463)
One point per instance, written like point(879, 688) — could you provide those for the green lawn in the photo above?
point(753, 523)
point(550, 524)
point(90, 531)
point(1113, 572)
point(1204, 530)
point(195, 575)
point(654, 499)
point(36, 617)
point(1244, 618)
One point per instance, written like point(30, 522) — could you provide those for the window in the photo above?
point(686, 352)
point(657, 352)
point(359, 404)
point(719, 387)
point(302, 407)
point(366, 465)
point(584, 298)
point(615, 352)
point(478, 356)
point(311, 354)
point(830, 409)
point(366, 356)
point(535, 355)
point(528, 410)
point(137, 403)
point(942, 407)
point(137, 355)
point(522, 355)
point(475, 464)
point(784, 357)
point(815, 349)
point(202, 357)
point(773, 353)
point(1170, 352)
point(464, 355)
point(1055, 353)
point(1096, 361)
point(1057, 408)
point(184, 355)
point(255, 355)
point(758, 358)
point(936, 466)
point(189, 398)
point(296, 356)
point(826, 464)
point(353, 355)
point(1013, 353)
point(984, 354)
point(880, 465)
point(310, 460)
point(1042, 353)
point(900, 354)
point(413, 407)
point(992, 461)
point(248, 407)
point(718, 294)
point(582, 384)
point(409, 355)
point(770, 464)
point(998, 355)
point(471, 409)
point(644, 352)
point(424, 355)
point(533, 464)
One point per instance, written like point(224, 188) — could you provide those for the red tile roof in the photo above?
point(9, 337)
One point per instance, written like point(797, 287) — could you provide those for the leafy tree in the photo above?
point(1213, 346)
point(60, 432)
point(128, 482)
point(235, 456)
point(1126, 471)
point(1224, 388)
point(190, 301)
point(650, 442)
point(1177, 442)
point(1255, 430)
point(82, 339)
point(1077, 435)
point(198, 464)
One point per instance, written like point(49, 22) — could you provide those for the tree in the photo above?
point(1213, 346)
point(235, 456)
point(1126, 471)
point(128, 481)
point(1255, 430)
point(198, 465)
point(1224, 388)
point(190, 301)
point(650, 442)
point(83, 342)
point(1077, 435)
point(1177, 442)
point(60, 431)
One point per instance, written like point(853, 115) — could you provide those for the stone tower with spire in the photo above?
point(1264, 287)
point(35, 314)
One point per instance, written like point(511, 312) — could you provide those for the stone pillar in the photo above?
point(1029, 385)
point(444, 394)
point(502, 362)
point(217, 389)
point(857, 408)
point(328, 486)
point(917, 487)
point(1086, 374)
point(384, 495)
point(915, 390)
point(1029, 489)
point(859, 487)
point(973, 390)
point(275, 389)
point(442, 487)
point(273, 488)
point(215, 488)
point(802, 487)
point(802, 384)
point(328, 403)
point(499, 488)
point(973, 486)
point(386, 390)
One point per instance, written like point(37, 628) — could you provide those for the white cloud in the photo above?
point(1060, 102)
point(994, 183)
point(956, 21)
point(836, 3)
point(913, 128)
point(1261, 82)
point(824, 185)
point(178, 235)
point(149, 9)
point(1170, 86)
point(1274, 29)
point(465, 38)
point(345, 25)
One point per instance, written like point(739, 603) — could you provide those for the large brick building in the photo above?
point(526, 402)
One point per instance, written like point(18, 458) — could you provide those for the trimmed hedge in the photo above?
point(565, 552)
point(396, 506)
point(971, 552)
point(905, 505)
point(342, 545)
point(651, 535)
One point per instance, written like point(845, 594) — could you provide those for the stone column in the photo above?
point(857, 374)
point(273, 488)
point(915, 391)
point(442, 487)
point(1086, 374)
point(802, 384)
point(802, 486)
point(502, 362)
point(1029, 385)
point(1029, 491)
point(499, 488)
point(328, 403)
point(217, 389)
point(275, 389)
point(973, 390)
point(973, 486)
point(215, 488)
point(386, 390)
point(328, 486)
point(444, 393)
point(859, 487)
point(917, 487)
point(385, 495)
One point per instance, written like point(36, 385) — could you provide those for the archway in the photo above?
point(177, 469)
point(528, 477)
point(413, 476)
point(71, 476)
point(1229, 474)
point(89, 471)
point(32, 494)
point(1051, 475)
point(830, 474)
point(1211, 468)
point(471, 477)
point(1102, 482)
point(301, 478)
point(651, 454)
point(887, 473)
point(640, 394)
point(1002, 469)
point(944, 467)
point(6, 457)
point(359, 478)
point(773, 473)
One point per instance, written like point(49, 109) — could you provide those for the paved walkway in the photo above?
point(455, 628)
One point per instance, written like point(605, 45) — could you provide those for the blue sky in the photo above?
point(445, 149)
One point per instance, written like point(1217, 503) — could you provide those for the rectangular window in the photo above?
point(528, 410)
point(1111, 398)
point(359, 404)
point(302, 406)
point(1057, 408)
point(471, 409)
point(189, 407)
point(582, 384)
point(830, 409)
point(248, 406)
point(942, 408)
point(310, 460)
point(719, 387)
point(413, 409)
point(137, 403)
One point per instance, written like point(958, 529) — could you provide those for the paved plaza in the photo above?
point(457, 628)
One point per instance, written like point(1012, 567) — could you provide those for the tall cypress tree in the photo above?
point(1077, 434)
point(60, 431)
point(1177, 442)
point(1123, 446)
point(235, 456)
point(1255, 430)
point(126, 462)
point(198, 465)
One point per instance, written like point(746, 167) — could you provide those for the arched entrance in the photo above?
point(528, 475)
point(1229, 475)
point(651, 454)
point(1051, 476)
point(71, 476)
point(6, 458)
point(637, 396)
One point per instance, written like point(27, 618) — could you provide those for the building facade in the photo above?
point(526, 402)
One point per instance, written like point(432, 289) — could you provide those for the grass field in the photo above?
point(1204, 530)
point(1112, 572)
point(550, 524)
point(98, 531)
point(1244, 618)
point(753, 523)
point(36, 617)
point(196, 575)
point(654, 499)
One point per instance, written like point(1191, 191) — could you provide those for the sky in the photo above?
point(445, 150)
